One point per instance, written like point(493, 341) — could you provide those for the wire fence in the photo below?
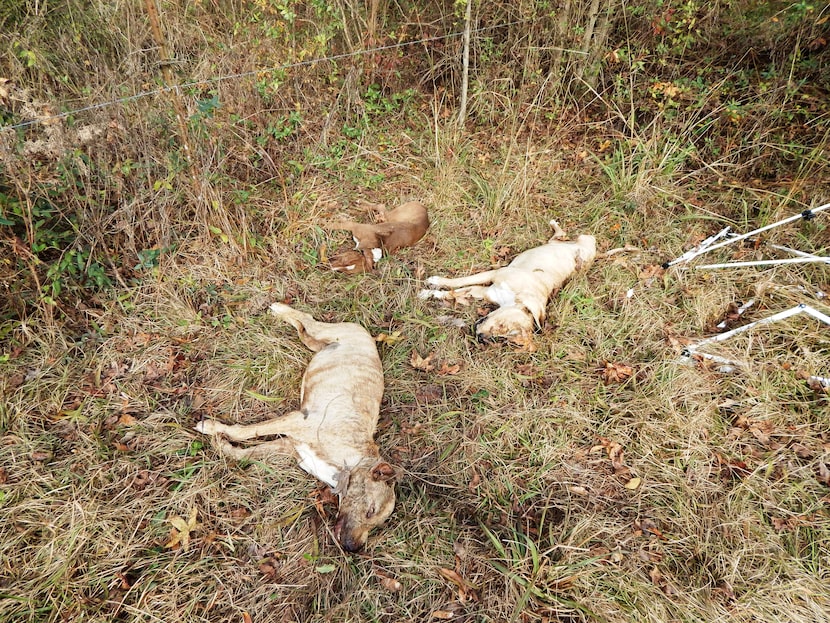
point(255, 72)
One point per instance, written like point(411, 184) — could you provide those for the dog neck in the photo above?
point(335, 476)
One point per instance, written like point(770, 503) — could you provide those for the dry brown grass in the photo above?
point(535, 487)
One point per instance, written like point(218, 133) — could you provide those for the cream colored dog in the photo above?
point(398, 228)
point(520, 289)
point(332, 433)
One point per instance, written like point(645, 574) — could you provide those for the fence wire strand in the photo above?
point(245, 74)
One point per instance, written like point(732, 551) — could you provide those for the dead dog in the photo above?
point(401, 227)
point(520, 289)
point(331, 434)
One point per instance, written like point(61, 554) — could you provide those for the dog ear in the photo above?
point(383, 472)
point(385, 229)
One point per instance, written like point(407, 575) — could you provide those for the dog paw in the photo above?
point(435, 280)
point(207, 427)
point(278, 309)
point(426, 294)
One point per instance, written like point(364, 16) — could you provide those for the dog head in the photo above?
point(512, 322)
point(366, 502)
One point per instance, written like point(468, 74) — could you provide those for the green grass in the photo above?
point(133, 303)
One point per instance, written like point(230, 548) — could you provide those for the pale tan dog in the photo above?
point(398, 228)
point(331, 434)
point(520, 289)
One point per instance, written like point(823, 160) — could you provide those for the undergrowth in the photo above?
point(601, 477)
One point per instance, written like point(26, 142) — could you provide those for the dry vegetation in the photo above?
point(599, 478)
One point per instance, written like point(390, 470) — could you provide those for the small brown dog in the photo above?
point(520, 289)
point(332, 433)
point(401, 227)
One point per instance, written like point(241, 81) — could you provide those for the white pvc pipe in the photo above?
point(788, 260)
point(800, 253)
point(805, 214)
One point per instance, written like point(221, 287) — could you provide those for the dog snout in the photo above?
point(350, 539)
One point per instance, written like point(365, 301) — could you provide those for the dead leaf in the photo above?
point(389, 583)
point(633, 484)
point(429, 394)
point(390, 338)
point(447, 369)
point(41, 456)
point(615, 454)
point(616, 372)
point(824, 474)
point(444, 615)
point(650, 273)
point(180, 532)
point(647, 526)
point(246, 618)
point(125, 419)
point(421, 363)
point(466, 591)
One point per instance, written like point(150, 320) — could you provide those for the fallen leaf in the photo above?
point(824, 474)
point(125, 419)
point(647, 526)
point(328, 568)
point(443, 615)
point(389, 583)
point(390, 338)
point(616, 372)
point(449, 369)
point(428, 394)
point(246, 618)
point(466, 591)
point(180, 532)
point(421, 363)
point(650, 273)
point(633, 484)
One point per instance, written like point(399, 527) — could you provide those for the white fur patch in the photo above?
point(316, 466)
point(377, 254)
point(501, 295)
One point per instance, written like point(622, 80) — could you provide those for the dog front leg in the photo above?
point(283, 425)
point(460, 295)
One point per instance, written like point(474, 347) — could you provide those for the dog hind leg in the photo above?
point(479, 279)
point(305, 325)
point(259, 451)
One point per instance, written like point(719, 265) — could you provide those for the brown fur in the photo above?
point(332, 433)
point(399, 228)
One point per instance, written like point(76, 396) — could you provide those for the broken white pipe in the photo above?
point(806, 214)
point(787, 260)
point(691, 253)
point(740, 312)
point(793, 311)
point(801, 253)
